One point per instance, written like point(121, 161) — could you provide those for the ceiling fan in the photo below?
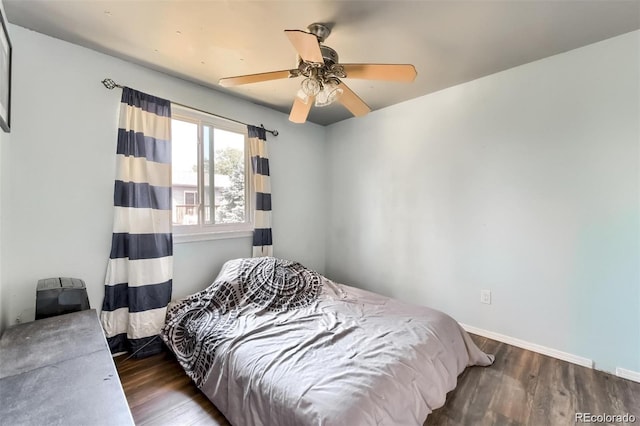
point(322, 84)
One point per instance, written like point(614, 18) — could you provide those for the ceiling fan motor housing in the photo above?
point(329, 55)
point(321, 31)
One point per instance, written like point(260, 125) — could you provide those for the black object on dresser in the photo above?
point(57, 296)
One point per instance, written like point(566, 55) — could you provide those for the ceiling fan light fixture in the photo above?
point(310, 86)
point(328, 95)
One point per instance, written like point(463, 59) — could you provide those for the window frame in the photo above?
point(214, 231)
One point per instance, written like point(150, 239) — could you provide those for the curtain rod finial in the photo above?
point(109, 84)
point(273, 132)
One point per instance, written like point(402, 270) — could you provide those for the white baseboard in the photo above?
point(628, 374)
point(554, 353)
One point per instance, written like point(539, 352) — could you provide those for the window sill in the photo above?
point(210, 236)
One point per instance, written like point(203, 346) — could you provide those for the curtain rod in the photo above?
point(110, 84)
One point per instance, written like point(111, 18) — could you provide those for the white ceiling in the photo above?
point(449, 42)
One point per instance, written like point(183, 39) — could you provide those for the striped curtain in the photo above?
point(140, 269)
point(262, 243)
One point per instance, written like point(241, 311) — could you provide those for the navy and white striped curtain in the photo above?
point(262, 242)
point(140, 269)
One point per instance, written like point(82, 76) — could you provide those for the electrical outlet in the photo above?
point(485, 296)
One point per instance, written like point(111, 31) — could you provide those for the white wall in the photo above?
point(4, 307)
point(525, 182)
point(4, 140)
point(3, 310)
point(59, 169)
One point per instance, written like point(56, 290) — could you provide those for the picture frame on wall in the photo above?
point(5, 77)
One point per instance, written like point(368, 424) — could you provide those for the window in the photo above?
point(210, 163)
point(190, 197)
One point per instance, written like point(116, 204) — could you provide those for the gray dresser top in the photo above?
point(59, 371)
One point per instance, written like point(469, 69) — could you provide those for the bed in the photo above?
point(271, 342)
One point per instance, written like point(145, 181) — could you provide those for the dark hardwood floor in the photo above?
point(520, 388)
point(160, 393)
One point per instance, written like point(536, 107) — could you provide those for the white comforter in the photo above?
point(349, 357)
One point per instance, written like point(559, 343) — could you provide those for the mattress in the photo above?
point(273, 343)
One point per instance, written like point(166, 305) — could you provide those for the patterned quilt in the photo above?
point(198, 324)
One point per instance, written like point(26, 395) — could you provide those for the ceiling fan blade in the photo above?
point(306, 44)
point(352, 102)
point(253, 78)
point(390, 72)
point(300, 109)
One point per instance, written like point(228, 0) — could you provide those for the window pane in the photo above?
point(229, 178)
point(184, 136)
